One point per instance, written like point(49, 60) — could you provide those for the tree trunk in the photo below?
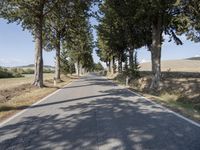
point(57, 70)
point(109, 66)
point(81, 69)
point(78, 68)
point(38, 75)
point(120, 64)
point(126, 65)
point(131, 58)
point(112, 62)
point(156, 53)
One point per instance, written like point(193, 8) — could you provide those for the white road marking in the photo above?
point(167, 109)
point(23, 111)
point(156, 104)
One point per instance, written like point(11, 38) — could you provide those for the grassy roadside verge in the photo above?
point(27, 95)
point(174, 100)
point(170, 101)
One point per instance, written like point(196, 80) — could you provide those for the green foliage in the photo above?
point(192, 18)
point(120, 30)
point(13, 73)
point(28, 71)
point(4, 73)
point(66, 64)
point(45, 70)
point(98, 67)
point(53, 22)
point(19, 72)
point(17, 10)
point(123, 26)
point(134, 70)
point(130, 25)
point(80, 46)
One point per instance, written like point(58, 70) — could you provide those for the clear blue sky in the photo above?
point(17, 48)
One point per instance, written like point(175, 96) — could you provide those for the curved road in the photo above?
point(94, 114)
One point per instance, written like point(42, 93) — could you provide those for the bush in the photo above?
point(48, 71)
point(98, 67)
point(5, 73)
point(28, 71)
point(17, 75)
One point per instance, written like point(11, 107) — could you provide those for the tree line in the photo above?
point(127, 25)
point(60, 25)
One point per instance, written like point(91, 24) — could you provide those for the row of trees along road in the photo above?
point(55, 25)
point(126, 25)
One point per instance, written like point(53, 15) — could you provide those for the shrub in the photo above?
point(48, 71)
point(28, 71)
point(5, 73)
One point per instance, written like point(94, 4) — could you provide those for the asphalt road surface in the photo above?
point(92, 113)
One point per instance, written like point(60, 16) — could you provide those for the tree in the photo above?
point(191, 19)
point(63, 19)
point(111, 38)
point(57, 25)
point(144, 23)
point(66, 63)
point(37, 10)
point(80, 45)
point(162, 16)
point(98, 67)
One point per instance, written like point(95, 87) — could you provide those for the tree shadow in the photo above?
point(90, 82)
point(111, 120)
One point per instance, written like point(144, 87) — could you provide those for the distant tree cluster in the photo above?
point(125, 26)
point(13, 73)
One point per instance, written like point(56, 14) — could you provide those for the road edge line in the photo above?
point(161, 106)
point(34, 104)
point(167, 109)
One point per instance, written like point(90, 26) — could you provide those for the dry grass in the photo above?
point(179, 94)
point(175, 65)
point(171, 101)
point(7, 83)
point(28, 96)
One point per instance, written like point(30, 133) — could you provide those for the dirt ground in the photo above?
point(8, 94)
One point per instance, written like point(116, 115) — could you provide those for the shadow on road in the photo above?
point(102, 82)
point(106, 120)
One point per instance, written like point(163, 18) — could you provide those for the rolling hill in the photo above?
point(184, 65)
point(31, 66)
point(193, 58)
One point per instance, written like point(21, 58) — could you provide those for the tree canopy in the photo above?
point(126, 26)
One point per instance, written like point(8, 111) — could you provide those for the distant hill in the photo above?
point(185, 65)
point(193, 58)
point(31, 66)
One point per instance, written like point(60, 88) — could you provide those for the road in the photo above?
point(92, 113)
